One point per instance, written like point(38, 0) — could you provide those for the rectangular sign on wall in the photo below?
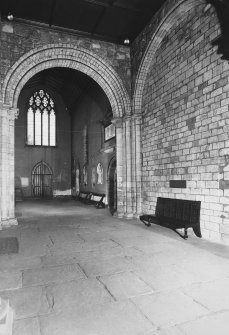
point(177, 183)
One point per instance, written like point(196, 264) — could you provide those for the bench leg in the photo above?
point(185, 233)
point(197, 231)
point(146, 223)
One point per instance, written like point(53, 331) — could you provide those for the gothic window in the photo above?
point(41, 120)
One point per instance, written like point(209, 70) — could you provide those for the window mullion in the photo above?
point(41, 127)
point(49, 129)
point(34, 127)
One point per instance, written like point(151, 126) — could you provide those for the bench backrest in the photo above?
point(83, 195)
point(97, 197)
point(185, 210)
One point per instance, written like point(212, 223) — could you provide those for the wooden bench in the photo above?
point(176, 214)
point(92, 198)
point(84, 196)
point(97, 200)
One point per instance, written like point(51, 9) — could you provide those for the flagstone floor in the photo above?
point(80, 271)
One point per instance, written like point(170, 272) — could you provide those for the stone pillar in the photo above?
point(6, 318)
point(128, 167)
point(119, 165)
point(7, 205)
point(137, 165)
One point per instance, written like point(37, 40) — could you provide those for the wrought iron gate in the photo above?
point(42, 180)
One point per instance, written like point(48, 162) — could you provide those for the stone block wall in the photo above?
point(16, 39)
point(185, 126)
point(58, 158)
point(89, 115)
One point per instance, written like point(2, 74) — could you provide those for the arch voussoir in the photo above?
point(59, 55)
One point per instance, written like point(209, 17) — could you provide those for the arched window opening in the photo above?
point(41, 120)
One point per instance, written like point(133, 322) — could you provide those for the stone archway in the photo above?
point(173, 10)
point(170, 13)
point(37, 60)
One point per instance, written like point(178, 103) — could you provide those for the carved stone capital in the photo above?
point(137, 118)
point(9, 112)
point(13, 113)
point(117, 122)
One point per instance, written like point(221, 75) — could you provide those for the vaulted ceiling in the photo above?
point(110, 20)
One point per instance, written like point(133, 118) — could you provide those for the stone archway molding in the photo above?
point(37, 60)
point(173, 10)
point(66, 55)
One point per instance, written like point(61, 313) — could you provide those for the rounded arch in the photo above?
point(176, 9)
point(66, 55)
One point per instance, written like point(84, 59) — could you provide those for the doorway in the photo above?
point(42, 180)
point(112, 186)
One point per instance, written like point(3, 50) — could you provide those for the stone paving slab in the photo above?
point(161, 279)
point(169, 331)
point(33, 246)
point(169, 309)
point(10, 280)
point(98, 267)
point(61, 236)
point(213, 295)
point(125, 285)
point(93, 236)
point(28, 302)
point(19, 262)
point(118, 318)
point(28, 326)
point(81, 247)
point(201, 269)
point(54, 274)
point(141, 281)
point(76, 295)
point(210, 325)
point(71, 258)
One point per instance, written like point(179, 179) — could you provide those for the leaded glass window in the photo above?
point(41, 120)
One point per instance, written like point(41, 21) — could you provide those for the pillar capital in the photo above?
point(137, 118)
point(4, 109)
point(8, 111)
point(117, 122)
point(13, 113)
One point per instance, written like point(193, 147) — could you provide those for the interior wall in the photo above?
point(185, 121)
point(90, 112)
point(58, 158)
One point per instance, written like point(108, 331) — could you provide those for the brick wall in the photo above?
point(185, 131)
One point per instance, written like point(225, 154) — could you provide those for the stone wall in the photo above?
point(17, 39)
point(185, 130)
point(58, 158)
point(90, 113)
point(141, 43)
